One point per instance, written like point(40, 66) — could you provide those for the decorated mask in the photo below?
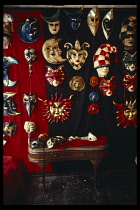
point(30, 55)
point(29, 30)
point(93, 97)
point(75, 18)
point(30, 127)
point(107, 87)
point(130, 61)
point(93, 81)
point(77, 54)
point(55, 77)
point(7, 62)
point(127, 113)
point(9, 107)
point(10, 128)
point(29, 100)
point(7, 29)
point(53, 22)
point(77, 83)
point(93, 108)
point(130, 82)
point(107, 24)
point(56, 109)
point(52, 52)
point(93, 20)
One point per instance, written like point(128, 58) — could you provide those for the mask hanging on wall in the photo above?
point(107, 24)
point(127, 113)
point(10, 128)
point(107, 87)
point(93, 108)
point(52, 52)
point(55, 77)
point(93, 20)
point(130, 82)
point(9, 107)
point(53, 22)
point(77, 54)
point(29, 30)
point(30, 55)
point(7, 62)
point(29, 100)
point(93, 97)
point(30, 127)
point(130, 61)
point(77, 83)
point(7, 29)
point(93, 81)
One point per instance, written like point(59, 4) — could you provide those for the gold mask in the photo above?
point(77, 83)
point(93, 20)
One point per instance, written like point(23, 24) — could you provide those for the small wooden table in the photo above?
point(42, 156)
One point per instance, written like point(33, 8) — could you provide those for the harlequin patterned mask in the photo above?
point(29, 100)
point(93, 20)
point(77, 54)
point(130, 82)
point(77, 83)
point(130, 61)
point(55, 77)
point(107, 87)
point(107, 24)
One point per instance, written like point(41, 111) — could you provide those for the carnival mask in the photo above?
point(77, 83)
point(29, 100)
point(102, 71)
point(56, 109)
point(10, 128)
point(130, 61)
point(29, 30)
point(30, 127)
point(30, 55)
point(107, 87)
point(107, 24)
point(93, 108)
point(7, 29)
point(93, 97)
point(55, 77)
point(130, 82)
point(93, 20)
point(93, 81)
point(77, 54)
point(52, 52)
point(127, 113)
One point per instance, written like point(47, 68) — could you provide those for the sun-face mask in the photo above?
point(77, 83)
point(93, 20)
point(107, 24)
point(29, 100)
point(107, 87)
point(7, 29)
point(130, 82)
point(30, 55)
point(55, 77)
point(10, 128)
point(130, 61)
point(77, 54)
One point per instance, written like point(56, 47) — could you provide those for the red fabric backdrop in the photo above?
point(17, 145)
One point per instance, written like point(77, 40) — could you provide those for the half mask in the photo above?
point(130, 61)
point(130, 82)
point(107, 87)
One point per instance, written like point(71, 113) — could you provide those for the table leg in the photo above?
point(95, 164)
point(42, 166)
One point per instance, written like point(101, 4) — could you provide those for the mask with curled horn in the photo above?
point(29, 30)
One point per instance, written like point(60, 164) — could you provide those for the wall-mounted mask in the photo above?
point(127, 113)
point(77, 83)
point(130, 82)
point(75, 18)
point(30, 127)
point(7, 62)
point(93, 20)
point(29, 30)
point(93, 108)
point(53, 22)
point(93, 81)
point(29, 100)
point(93, 97)
point(30, 55)
point(52, 52)
point(107, 87)
point(10, 128)
point(130, 61)
point(9, 107)
point(57, 108)
point(55, 77)
point(107, 24)
point(7, 29)
point(77, 54)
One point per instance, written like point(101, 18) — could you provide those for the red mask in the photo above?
point(55, 77)
point(130, 82)
point(107, 86)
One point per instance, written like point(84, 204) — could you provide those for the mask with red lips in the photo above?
point(55, 77)
point(107, 87)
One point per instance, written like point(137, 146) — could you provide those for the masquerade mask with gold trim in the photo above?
point(107, 87)
point(130, 82)
point(130, 61)
point(93, 20)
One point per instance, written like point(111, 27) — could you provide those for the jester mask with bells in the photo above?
point(52, 52)
point(130, 61)
point(107, 87)
point(7, 29)
point(130, 82)
point(77, 54)
point(107, 24)
point(93, 20)
point(56, 108)
point(30, 55)
point(127, 113)
point(10, 128)
point(75, 18)
point(29, 100)
point(55, 77)
point(29, 30)
point(53, 22)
